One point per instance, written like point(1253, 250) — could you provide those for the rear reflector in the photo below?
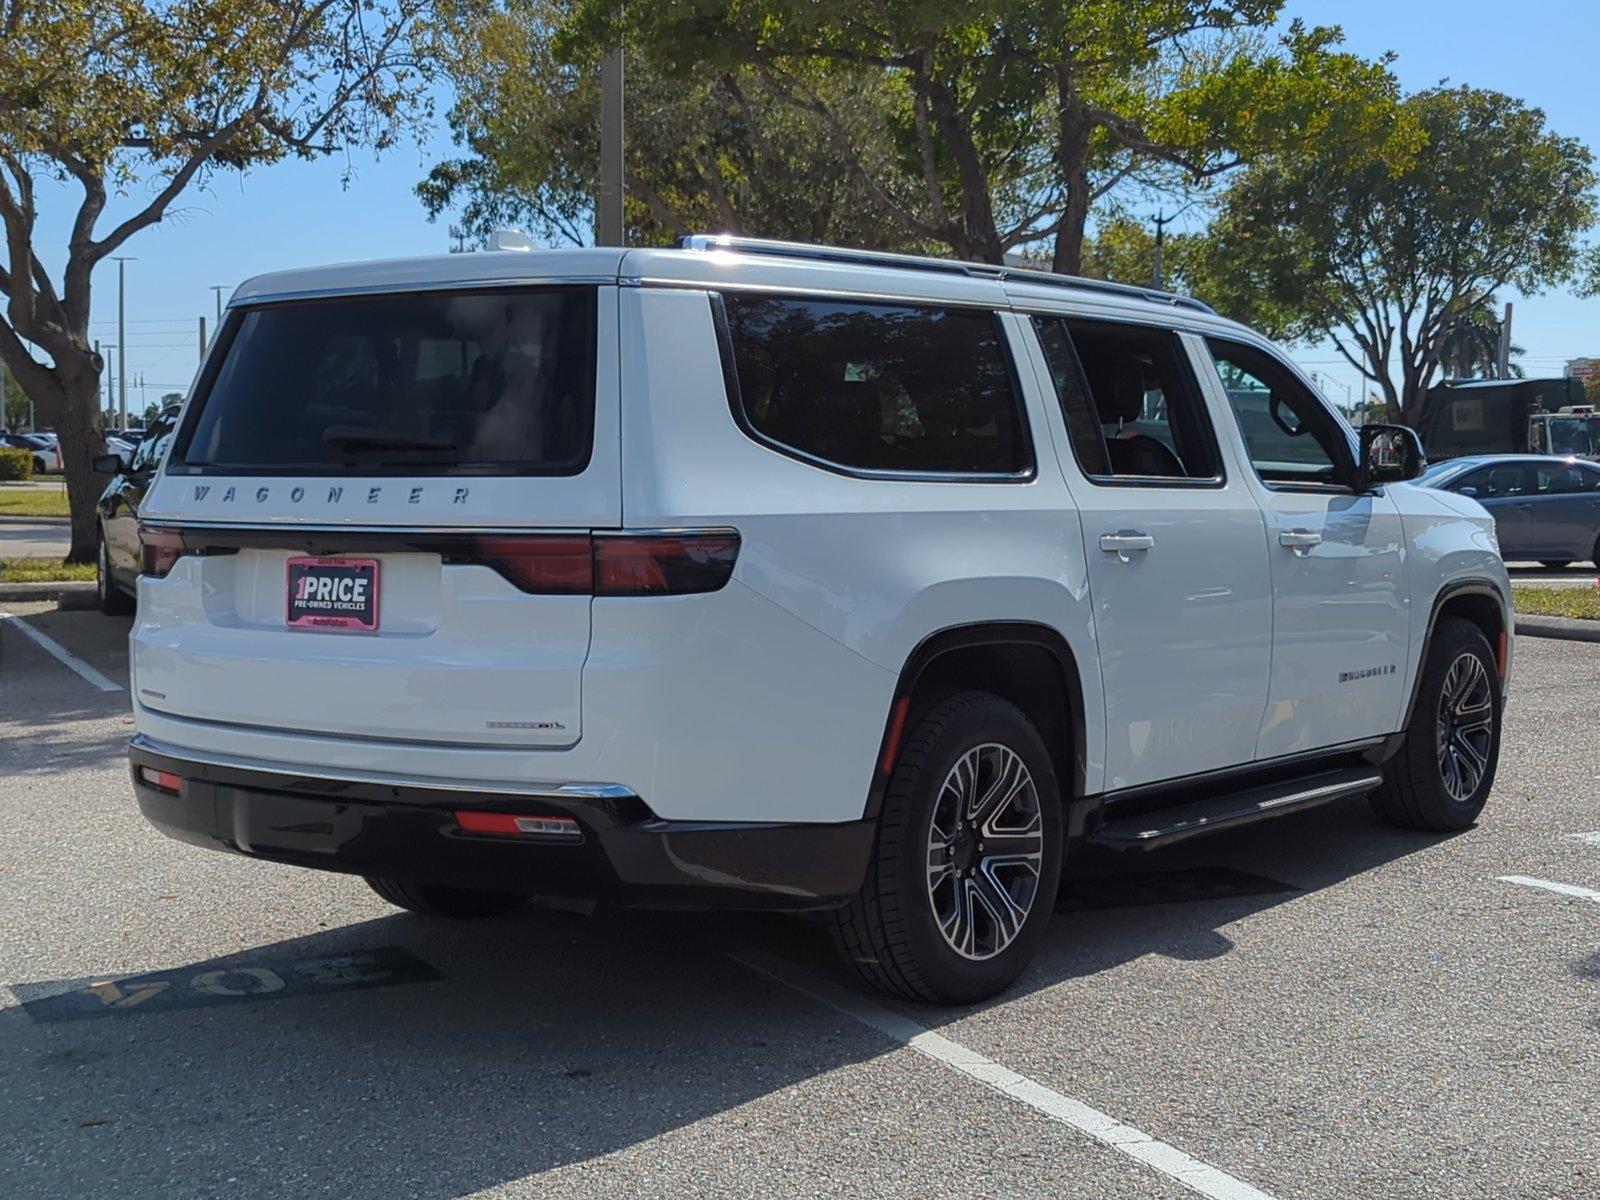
point(513, 825)
point(668, 563)
point(162, 781)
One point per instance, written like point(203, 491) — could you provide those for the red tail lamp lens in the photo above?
point(562, 566)
point(162, 781)
point(625, 564)
point(664, 564)
point(159, 548)
point(517, 825)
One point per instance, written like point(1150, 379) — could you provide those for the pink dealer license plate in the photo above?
point(333, 593)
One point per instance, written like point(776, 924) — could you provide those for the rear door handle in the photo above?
point(1125, 543)
point(1300, 540)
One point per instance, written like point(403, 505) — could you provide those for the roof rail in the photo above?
point(946, 266)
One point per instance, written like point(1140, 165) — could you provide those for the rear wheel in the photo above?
point(114, 602)
point(429, 900)
point(963, 876)
point(1441, 778)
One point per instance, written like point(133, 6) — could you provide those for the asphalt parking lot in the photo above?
point(1320, 1007)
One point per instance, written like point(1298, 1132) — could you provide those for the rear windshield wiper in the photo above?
point(355, 440)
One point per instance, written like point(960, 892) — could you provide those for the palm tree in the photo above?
point(1469, 346)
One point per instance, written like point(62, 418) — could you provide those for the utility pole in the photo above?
point(202, 339)
point(608, 198)
point(1162, 221)
point(1505, 345)
point(109, 397)
point(122, 340)
point(218, 289)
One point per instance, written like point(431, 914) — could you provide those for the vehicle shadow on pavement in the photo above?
point(546, 1042)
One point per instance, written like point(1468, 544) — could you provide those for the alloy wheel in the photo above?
point(985, 846)
point(1466, 726)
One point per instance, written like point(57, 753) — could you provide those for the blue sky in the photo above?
point(298, 213)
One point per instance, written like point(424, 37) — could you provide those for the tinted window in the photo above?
point(1502, 479)
point(880, 387)
point(1290, 435)
point(1129, 400)
point(1555, 478)
point(493, 380)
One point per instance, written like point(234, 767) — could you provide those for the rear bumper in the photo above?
point(626, 854)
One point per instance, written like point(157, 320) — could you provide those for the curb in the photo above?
point(14, 519)
point(68, 593)
point(1564, 628)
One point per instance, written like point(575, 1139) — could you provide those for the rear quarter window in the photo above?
point(497, 381)
point(868, 387)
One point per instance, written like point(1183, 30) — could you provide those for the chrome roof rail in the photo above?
point(945, 266)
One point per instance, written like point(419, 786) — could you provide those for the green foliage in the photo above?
point(1382, 260)
point(722, 151)
point(145, 98)
point(1023, 115)
point(15, 464)
point(13, 400)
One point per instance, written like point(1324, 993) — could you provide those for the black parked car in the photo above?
point(117, 563)
point(1545, 509)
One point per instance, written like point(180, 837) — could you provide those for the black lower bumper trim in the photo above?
point(626, 855)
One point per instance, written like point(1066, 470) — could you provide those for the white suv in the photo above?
point(748, 574)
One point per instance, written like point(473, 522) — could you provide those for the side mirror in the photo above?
point(1389, 454)
point(106, 464)
point(1467, 491)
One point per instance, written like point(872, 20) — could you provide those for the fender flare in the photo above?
point(963, 637)
point(1447, 593)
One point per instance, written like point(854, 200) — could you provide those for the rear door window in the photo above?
point(893, 388)
point(1130, 402)
point(497, 382)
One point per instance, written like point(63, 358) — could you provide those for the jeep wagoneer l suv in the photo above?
point(748, 574)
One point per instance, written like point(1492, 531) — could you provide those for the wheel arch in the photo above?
point(1028, 663)
point(1479, 601)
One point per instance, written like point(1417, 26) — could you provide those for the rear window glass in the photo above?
point(495, 381)
point(878, 387)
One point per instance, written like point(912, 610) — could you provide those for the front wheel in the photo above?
point(959, 890)
point(1440, 779)
point(431, 901)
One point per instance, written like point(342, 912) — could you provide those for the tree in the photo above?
point(1379, 261)
point(147, 98)
point(1469, 347)
point(719, 151)
point(1061, 103)
point(13, 401)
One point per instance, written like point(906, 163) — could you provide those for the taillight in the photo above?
point(549, 565)
point(663, 564)
point(634, 563)
point(159, 548)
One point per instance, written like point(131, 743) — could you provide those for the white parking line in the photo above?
point(60, 653)
point(1561, 889)
point(1125, 1139)
point(1588, 839)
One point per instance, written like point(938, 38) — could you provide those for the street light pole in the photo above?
point(219, 288)
point(122, 340)
point(608, 198)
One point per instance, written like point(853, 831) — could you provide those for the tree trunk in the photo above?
point(1072, 154)
point(980, 234)
point(81, 440)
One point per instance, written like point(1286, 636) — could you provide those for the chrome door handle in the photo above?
point(1125, 543)
point(1299, 540)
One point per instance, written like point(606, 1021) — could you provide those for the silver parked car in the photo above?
point(1545, 509)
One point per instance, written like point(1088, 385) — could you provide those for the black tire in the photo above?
point(429, 900)
point(1552, 565)
point(114, 602)
point(890, 930)
point(1417, 792)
